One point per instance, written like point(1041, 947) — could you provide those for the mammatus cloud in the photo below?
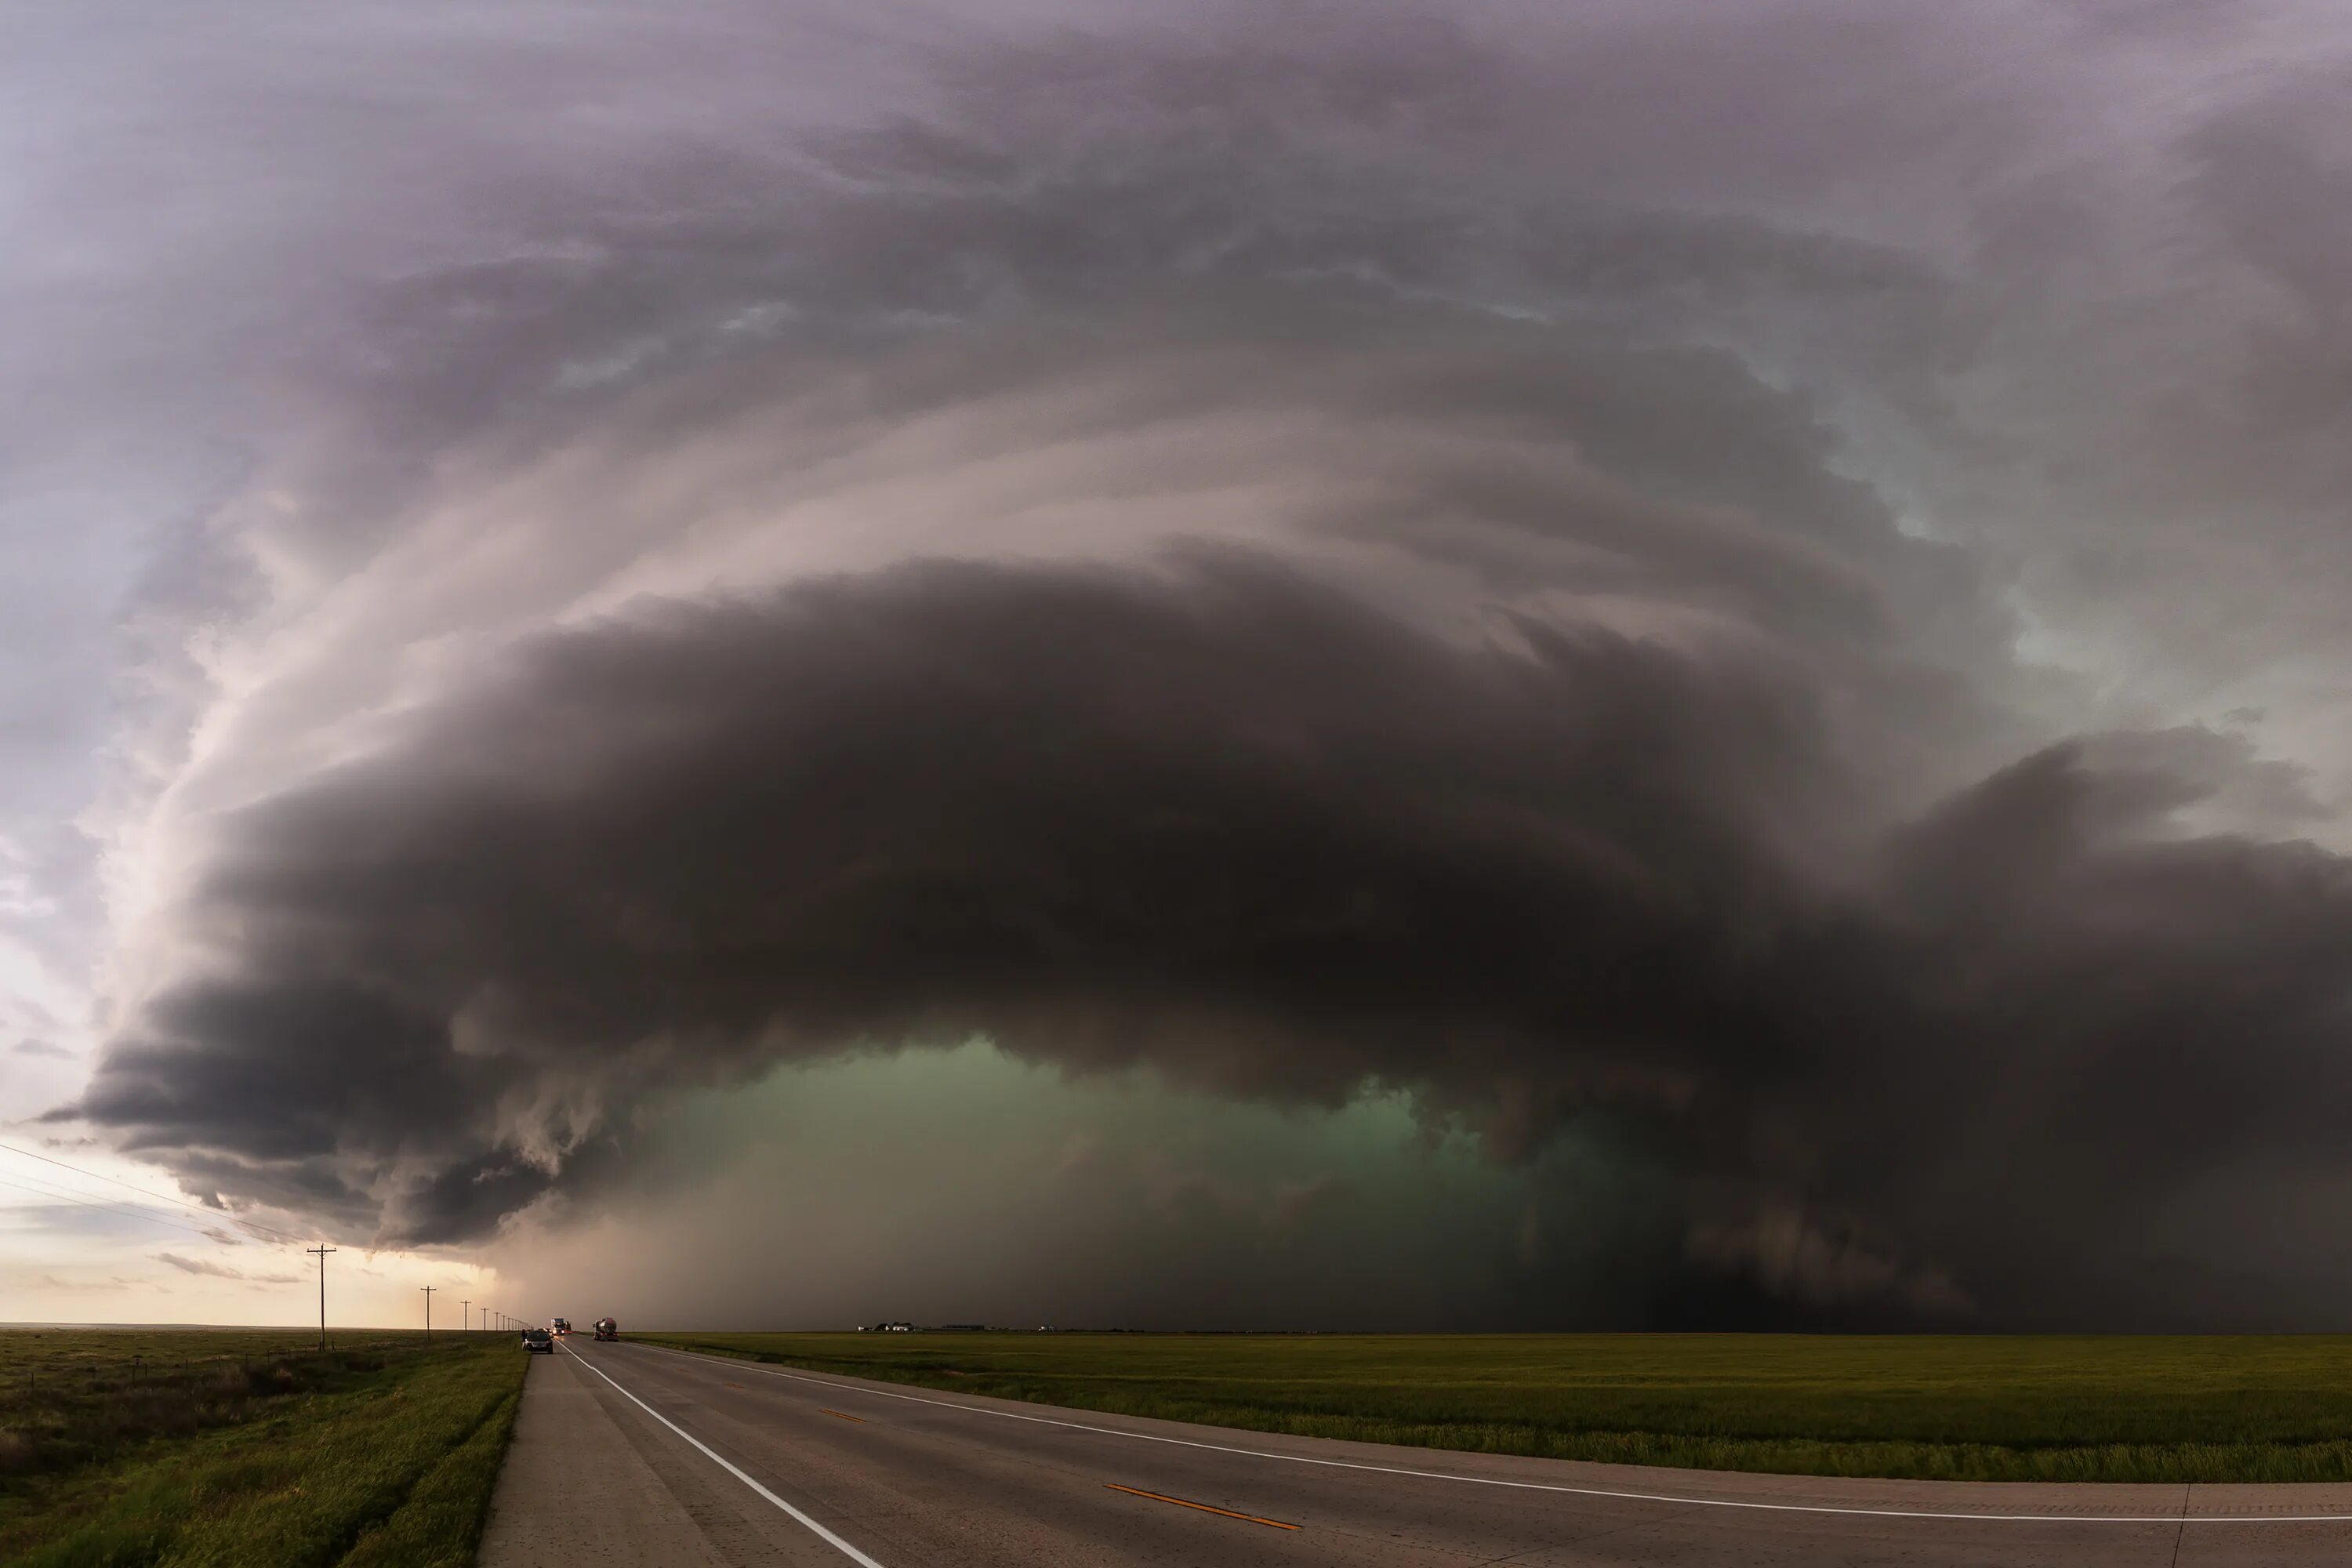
point(1373, 554)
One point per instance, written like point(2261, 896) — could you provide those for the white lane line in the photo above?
point(832, 1540)
point(1535, 1486)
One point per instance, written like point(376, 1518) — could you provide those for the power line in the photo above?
point(159, 1197)
point(218, 1215)
point(51, 1191)
point(48, 1189)
point(45, 1187)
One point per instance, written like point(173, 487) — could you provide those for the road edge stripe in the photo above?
point(835, 1542)
point(1533, 1486)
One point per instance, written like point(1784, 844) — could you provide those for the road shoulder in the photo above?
point(576, 1490)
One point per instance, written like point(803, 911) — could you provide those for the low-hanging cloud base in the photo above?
point(1235, 824)
point(1315, 562)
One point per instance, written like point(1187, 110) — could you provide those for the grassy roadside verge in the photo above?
point(2037, 1408)
point(199, 1448)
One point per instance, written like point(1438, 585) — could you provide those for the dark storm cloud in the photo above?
point(1225, 821)
point(1222, 819)
point(1234, 182)
point(1485, 556)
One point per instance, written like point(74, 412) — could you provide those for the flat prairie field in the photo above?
point(1958, 1407)
point(124, 1448)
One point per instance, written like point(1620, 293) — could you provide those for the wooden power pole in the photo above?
point(320, 1253)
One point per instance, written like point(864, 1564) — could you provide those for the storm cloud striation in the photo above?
point(1228, 823)
point(1367, 558)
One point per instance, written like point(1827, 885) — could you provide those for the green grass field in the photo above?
point(1971, 1408)
point(196, 1447)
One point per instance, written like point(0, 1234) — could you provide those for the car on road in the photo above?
point(607, 1329)
point(538, 1340)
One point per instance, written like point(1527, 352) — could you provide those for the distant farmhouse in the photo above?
point(906, 1328)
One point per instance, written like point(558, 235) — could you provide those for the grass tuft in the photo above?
point(221, 1447)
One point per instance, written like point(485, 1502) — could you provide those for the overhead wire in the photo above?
point(216, 1215)
point(51, 1191)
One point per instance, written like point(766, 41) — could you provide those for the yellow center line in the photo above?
point(1204, 1507)
point(843, 1415)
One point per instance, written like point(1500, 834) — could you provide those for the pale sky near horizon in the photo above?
point(1639, 665)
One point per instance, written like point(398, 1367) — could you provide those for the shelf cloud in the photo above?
point(1768, 584)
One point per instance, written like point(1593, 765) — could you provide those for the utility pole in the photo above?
point(429, 1290)
point(465, 1316)
point(321, 1252)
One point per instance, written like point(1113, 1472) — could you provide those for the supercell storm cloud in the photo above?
point(1766, 583)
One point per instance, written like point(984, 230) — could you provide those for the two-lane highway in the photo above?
point(636, 1453)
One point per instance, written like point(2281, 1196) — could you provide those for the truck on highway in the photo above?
point(607, 1330)
point(561, 1327)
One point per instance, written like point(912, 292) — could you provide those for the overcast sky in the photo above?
point(1612, 665)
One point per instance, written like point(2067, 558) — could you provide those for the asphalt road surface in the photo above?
point(628, 1454)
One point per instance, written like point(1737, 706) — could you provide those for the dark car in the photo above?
point(539, 1340)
